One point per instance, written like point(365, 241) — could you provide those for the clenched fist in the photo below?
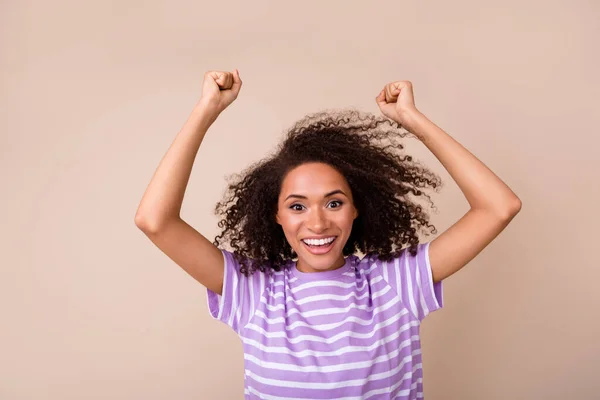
point(220, 89)
point(396, 101)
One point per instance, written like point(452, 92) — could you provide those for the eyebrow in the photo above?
point(298, 196)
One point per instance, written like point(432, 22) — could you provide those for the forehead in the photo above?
point(313, 179)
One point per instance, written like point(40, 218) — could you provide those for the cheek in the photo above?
point(345, 219)
point(290, 223)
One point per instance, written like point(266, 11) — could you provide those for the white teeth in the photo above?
point(318, 242)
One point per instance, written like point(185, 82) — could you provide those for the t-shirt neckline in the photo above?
point(331, 274)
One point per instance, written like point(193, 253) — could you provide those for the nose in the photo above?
point(317, 221)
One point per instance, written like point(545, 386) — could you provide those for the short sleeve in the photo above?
point(240, 295)
point(412, 279)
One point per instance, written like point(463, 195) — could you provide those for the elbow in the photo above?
point(512, 210)
point(152, 225)
point(145, 224)
point(505, 212)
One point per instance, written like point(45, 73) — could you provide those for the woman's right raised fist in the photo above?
point(220, 89)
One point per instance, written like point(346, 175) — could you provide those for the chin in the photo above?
point(321, 262)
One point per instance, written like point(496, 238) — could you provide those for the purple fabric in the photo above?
point(352, 333)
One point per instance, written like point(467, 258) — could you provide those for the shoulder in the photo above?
point(419, 249)
point(399, 259)
point(247, 266)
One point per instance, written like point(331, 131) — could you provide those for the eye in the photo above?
point(299, 207)
point(296, 205)
point(337, 202)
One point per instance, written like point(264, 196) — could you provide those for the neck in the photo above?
point(303, 266)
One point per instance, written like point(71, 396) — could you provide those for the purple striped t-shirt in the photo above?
point(351, 333)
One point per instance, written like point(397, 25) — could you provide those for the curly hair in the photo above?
point(366, 150)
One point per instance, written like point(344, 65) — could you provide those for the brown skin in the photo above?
point(317, 214)
point(493, 204)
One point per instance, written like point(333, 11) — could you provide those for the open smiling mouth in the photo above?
point(319, 249)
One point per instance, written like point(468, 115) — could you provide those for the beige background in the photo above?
point(93, 93)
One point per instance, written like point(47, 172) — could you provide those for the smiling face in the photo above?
point(315, 203)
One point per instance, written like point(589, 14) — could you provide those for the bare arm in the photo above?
point(158, 214)
point(493, 203)
point(164, 196)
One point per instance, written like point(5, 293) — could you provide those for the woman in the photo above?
point(316, 320)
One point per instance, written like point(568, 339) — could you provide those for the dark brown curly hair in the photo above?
point(367, 151)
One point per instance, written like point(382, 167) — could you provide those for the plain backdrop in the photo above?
point(92, 94)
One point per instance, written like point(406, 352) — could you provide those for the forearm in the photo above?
point(164, 195)
point(481, 187)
